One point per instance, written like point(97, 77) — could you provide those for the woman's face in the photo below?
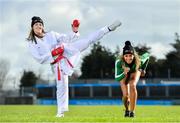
point(128, 58)
point(38, 28)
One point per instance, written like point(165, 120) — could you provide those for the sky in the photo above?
point(144, 22)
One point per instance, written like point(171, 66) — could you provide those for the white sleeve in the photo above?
point(42, 59)
point(66, 38)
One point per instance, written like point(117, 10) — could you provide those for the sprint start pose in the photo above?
point(128, 69)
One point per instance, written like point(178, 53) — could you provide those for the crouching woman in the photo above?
point(128, 69)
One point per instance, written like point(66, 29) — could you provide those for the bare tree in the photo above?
point(4, 69)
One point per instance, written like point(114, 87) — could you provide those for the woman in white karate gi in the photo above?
point(62, 53)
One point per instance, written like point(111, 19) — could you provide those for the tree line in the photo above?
point(100, 62)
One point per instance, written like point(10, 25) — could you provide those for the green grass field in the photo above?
point(36, 113)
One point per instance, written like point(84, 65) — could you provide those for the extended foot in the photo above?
point(113, 26)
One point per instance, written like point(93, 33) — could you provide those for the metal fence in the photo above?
point(111, 91)
point(104, 92)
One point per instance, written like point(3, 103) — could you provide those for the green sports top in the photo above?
point(119, 71)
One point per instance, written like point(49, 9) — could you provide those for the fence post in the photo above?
point(147, 91)
point(167, 91)
point(91, 91)
point(110, 91)
point(72, 92)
